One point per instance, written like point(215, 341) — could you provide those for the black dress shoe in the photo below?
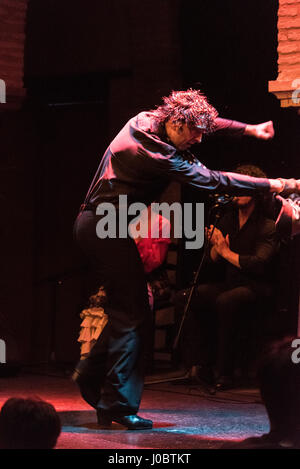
point(132, 422)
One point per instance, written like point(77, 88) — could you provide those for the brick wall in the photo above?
point(12, 36)
point(288, 39)
point(288, 53)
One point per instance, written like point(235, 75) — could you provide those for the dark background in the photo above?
point(88, 67)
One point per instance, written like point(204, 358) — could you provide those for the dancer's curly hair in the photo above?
point(190, 107)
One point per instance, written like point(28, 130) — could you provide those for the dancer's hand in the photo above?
point(264, 131)
point(217, 239)
point(290, 186)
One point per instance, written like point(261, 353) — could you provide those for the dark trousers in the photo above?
point(216, 317)
point(115, 365)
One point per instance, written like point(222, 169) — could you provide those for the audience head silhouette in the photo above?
point(28, 424)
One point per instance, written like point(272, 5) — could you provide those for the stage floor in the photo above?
point(184, 416)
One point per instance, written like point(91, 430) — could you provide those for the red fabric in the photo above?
point(153, 251)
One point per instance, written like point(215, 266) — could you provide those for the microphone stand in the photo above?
point(183, 374)
point(196, 277)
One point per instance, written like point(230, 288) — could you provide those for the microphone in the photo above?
point(221, 200)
